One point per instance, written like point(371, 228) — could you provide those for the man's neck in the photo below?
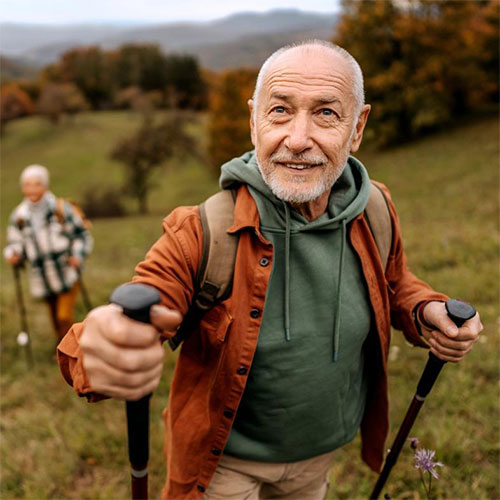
point(313, 209)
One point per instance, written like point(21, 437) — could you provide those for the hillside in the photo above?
point(225, 42)
point(446, 190)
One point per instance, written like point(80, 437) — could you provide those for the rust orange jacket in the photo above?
point(214, 361)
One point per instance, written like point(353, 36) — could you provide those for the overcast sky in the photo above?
point(71, 11)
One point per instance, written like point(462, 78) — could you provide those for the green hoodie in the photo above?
point(306, 390)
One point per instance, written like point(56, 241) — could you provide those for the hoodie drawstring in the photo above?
point(336, 327)
point(287, 272)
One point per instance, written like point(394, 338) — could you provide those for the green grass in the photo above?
point(55, 445)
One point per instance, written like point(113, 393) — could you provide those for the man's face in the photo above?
point(33, 189)
point(304, 124)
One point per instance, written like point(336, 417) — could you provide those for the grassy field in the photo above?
point(55, 445)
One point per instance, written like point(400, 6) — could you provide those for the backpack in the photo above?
point(77, 209)
point(214, 280)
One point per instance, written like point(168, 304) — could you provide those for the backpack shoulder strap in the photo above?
point(380, 223)
point(214, 280)
point(60, 210)
point(215, 275)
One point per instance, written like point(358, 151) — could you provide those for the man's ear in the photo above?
point(251, 107)
point(360, 127)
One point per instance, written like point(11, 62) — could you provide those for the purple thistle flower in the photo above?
point(424, 461)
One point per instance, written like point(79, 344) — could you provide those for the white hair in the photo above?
point(37, 172)
point(356, 73)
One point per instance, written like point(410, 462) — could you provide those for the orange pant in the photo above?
point(62, 310)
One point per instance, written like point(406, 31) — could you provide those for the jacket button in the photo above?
point(201, 488)
point(215, 451)
point(254, 313)
point(242, 370)
point(229, 413)
point(264, 262)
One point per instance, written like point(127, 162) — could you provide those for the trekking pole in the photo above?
point(136, 300)
point(459, 312)
point(85, 295)
point(23, 337)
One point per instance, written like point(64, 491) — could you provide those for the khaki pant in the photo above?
point(62, 310)
point(237, 479)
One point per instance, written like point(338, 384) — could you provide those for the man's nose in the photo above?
point(298, 136)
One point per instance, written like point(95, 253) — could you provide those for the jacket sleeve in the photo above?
point(170, 266)
point(82, 242)
point(406, 291)
point(15, 245)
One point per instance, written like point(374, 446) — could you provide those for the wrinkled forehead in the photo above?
point(308, 69)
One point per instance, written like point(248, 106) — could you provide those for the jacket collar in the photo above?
point(246, 214)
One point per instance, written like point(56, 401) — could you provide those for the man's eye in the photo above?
point(326, 112)
point(279, 109)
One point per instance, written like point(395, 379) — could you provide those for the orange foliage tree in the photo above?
point(424, 62)
point(14, 103)
point(228, 127)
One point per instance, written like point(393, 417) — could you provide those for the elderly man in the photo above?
point(51, 236)
point(287, 369)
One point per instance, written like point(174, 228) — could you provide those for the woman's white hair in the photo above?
point(35, 172)
point(356, 73)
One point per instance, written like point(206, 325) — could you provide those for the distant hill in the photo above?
point(13, 69)
point(242, 39)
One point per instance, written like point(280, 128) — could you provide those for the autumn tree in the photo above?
point(14, 103)
point(148, 149)
point(424, 62)
point(229, 127)
point(141, 66)
point(185, 82)
point(57, 99)
point(85, 67)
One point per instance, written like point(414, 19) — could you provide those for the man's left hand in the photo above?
point(73, 262)
point(447, 341)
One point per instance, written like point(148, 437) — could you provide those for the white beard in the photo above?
point(297, 192)
point(294, 191)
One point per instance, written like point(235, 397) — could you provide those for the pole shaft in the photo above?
point(398, 444)
point(22, 311)
point(85, 295)
point(459, 312)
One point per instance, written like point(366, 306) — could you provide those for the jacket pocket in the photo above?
point(215, 325)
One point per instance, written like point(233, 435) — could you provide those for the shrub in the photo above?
point(103, 201)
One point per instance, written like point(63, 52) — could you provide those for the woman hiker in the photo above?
point(51, 235)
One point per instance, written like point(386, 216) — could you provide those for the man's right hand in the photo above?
point(123, 358)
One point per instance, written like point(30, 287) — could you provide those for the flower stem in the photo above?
point(423, 482)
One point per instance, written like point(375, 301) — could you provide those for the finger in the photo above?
point(119, 357)
point(457, 343)
point(136, 359)
point(164, 318)
point(472, 328)
point(462, 337)
point(450, 348)
point(444, 324)
point(102, 374)
point(448, 354)
point(127, 394)
point(118, 329)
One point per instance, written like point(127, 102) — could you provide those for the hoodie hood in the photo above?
point(279, 222)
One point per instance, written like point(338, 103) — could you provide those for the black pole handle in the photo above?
point(459, 312)
point(136, 300)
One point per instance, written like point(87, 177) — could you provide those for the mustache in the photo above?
point(305, 158)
